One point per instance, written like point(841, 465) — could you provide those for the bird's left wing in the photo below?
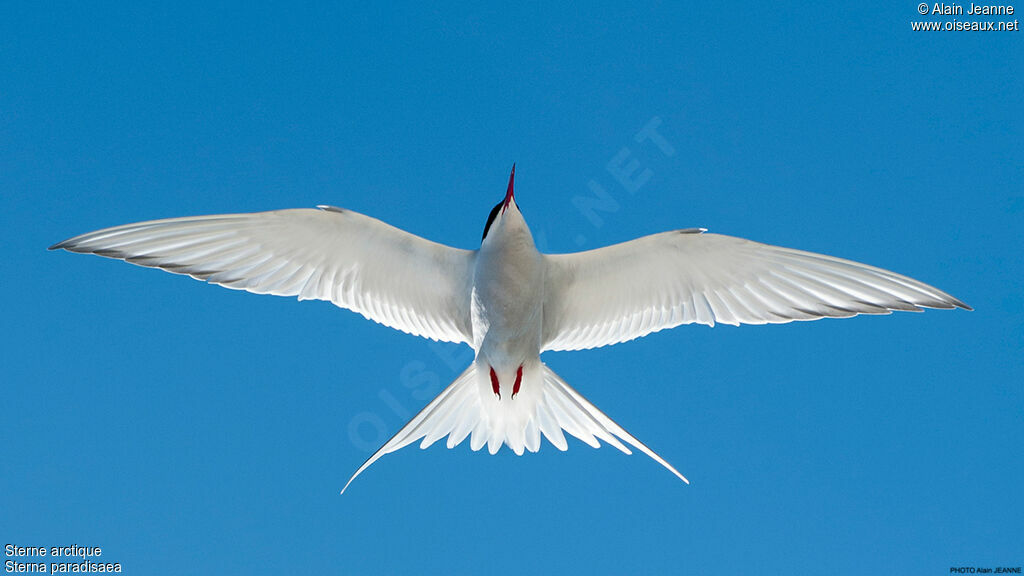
point(628, 290)
point(360, 263)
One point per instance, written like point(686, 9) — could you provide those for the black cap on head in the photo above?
point(503, 205)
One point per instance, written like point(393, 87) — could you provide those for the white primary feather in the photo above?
point(357, 262)
point(524, 301)
point(628, 290)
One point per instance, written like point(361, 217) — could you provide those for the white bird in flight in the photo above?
point(510, 302)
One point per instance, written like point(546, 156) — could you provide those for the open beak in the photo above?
point(509, 194)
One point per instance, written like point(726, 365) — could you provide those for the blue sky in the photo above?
point(187, 428)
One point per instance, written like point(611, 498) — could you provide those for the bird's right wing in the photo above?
point(628, 290)
point(360, 263)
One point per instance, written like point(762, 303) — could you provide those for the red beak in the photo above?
point(509, 194)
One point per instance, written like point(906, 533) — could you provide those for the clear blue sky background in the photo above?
point(190, 429)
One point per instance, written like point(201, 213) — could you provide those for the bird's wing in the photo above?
point(628, 290)
point(357, 262)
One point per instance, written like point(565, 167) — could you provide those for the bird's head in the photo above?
point(505, 218)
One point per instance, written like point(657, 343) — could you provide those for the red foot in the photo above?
point(494, 384)
point(519, 380)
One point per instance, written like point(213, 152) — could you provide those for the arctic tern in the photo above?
point(510, 302)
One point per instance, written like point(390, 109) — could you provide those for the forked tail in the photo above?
point(547, 406)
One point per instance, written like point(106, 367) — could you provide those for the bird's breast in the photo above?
point(507, 301)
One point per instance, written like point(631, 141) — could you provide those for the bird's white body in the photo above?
point(507, 307)
point(510, 302)
point(508, 296)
